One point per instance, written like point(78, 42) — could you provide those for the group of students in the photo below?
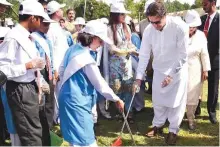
point(44, 66)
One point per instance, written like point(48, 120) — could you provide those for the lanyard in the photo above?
point(121, 34)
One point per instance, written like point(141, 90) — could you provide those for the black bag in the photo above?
point(3, 78)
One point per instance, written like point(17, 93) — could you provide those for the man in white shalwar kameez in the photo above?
point(167, 38)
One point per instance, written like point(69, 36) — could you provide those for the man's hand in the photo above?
point(166, 81)
point(204, 75)
point(136, 86)
point(120, 105)
point(36, 63)
point(45, 88)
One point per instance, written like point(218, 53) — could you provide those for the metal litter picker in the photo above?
point(118, 141)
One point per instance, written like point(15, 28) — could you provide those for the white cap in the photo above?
point(80, 21)
point(192, 18)
point(119, 8)
point(54, 6)
point(148, 2)
point(32, 7)
point(104, 20)
point(128, 20)
point(4, 31)
point(97, 28)
point(9, 22)
point(48, 19)
point(4, 2)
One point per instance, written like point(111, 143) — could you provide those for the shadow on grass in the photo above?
point(204, 105)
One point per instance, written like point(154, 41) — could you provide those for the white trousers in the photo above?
point(174, 116)
point(15, 141)
point(91, 145)
point(94, 114)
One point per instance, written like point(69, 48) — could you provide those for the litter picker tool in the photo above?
point(118, 141)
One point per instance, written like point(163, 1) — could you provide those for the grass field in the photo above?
point(206, 133)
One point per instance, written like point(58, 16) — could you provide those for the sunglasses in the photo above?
point(155, 22)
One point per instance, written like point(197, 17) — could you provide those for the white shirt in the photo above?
point(59, 43)
point(13, 56)
point(169, 47)
point(94, 75)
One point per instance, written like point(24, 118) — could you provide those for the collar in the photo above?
point(213, 15)
point(23, 31)
point(42, 34)
point(70, 21)
point(119, 26)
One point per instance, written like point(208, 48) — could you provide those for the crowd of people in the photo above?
point(59, 71)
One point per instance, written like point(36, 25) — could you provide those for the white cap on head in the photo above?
point(80, 21)
point(119, 7)
point(192, 18)
point(104, 20)
point(32, 7)
point(54, 6)
point(97, 28)
point(9, 22)
point(48, 19)
point(4, 31)
point(147, 3)
point(4, 2)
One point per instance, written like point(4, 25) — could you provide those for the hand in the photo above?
point(135, 53)
point(120, 105)
point(204, 75)
point(136, 86)
point(45, 88)
point(56, 76)
point(37, 63)
point(166, 81)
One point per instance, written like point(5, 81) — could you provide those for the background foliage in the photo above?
point(96, 9)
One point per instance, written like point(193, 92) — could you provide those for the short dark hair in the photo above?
point(62, 19)
point(71, 9)
point(24, 17)
point(85, 39)
point(43, 2)
point(213, 1)
point(156, 9)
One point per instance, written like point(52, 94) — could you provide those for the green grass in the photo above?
point(206, 133)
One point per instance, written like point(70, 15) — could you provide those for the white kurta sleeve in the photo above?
point(7, 60)
point(94, 75)
point(182, 45)
point(144, 54)
point(204, 54)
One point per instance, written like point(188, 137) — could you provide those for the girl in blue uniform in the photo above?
point(79, 80)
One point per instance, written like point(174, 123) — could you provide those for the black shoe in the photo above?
point(198, 109)
point(213, 120)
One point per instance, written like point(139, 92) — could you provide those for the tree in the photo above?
point(94, 9)
point(198, 4)
point(11, 12)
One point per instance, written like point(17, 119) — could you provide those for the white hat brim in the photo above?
point(61, 6)
point(106, 40)
point(123, 12)
point(75, 23)
point(6, 3)
point(194, 24)
point(47, 18)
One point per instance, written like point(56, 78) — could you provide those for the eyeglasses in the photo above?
point(155, 22)
point(123, 14)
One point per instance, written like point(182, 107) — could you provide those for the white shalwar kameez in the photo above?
point(169, 48)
